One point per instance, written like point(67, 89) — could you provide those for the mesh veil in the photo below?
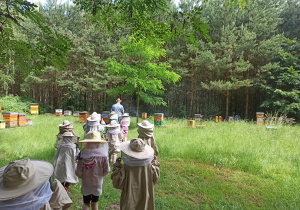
point(94, 150)
point(131, 161)
point(32, 200)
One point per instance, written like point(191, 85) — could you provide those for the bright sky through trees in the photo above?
point(63, 1)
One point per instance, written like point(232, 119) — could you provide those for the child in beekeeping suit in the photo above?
point(93, 124)
point(145, 131)
point(66, 126)
point(137, 175)
point(91, 168)
point(114, 137)
point(125, 123)
point(65, 161)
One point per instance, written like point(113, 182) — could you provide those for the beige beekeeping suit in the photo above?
point(137, 185)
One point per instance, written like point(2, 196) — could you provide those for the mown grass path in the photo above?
point(223, 166)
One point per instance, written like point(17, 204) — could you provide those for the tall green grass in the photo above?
point(237, 165)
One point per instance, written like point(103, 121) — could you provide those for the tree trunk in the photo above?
point(247, 97)
point(192, 91)
point(137, 107)
point(227, 104)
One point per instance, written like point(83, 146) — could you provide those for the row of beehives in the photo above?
point(14, 119)
point(83, 115)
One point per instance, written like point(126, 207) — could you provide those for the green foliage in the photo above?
point(142, 72)
point(21, 104)
point(282, 82)
point(27, 42)
point(15, 104)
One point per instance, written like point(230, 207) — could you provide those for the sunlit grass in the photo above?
point(237, 165)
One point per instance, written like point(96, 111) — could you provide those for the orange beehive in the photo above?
point(10, 116)
point(83, 116)
point(158, 119)
point(260, 115)
point(21, 122)
point(144, 115)
point(21, 116)
point(58, 112)
point(218, 118)
point(105, 116)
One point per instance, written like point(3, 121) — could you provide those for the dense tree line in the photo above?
point(232, 58)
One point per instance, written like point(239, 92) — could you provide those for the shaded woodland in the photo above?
point(231, 61)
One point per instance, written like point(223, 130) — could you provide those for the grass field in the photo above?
point(222, 166)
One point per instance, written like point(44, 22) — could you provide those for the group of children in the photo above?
point(135, 177)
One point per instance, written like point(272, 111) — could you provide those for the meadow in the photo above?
point(238, 165)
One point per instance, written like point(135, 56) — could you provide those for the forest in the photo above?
point(214, 57)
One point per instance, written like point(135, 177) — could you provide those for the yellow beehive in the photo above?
point(34, 108)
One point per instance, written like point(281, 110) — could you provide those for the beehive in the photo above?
point(260, 118)
point(83, 116)
point(198, 117)
point(144, 115)
point(158, 119)
point(76, 113)
point(34, 108)
point(191, 123)
point(105, 116)
point(10, 116)
point(67, 113)
point(58, 112)
point(21, 119)
point(218, 118)
point(2, 124)
point(260, 121)
point(28, 122)
point(10, 124)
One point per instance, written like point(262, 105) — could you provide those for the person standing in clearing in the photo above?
point(118, 108)
point(137, 176)
point(91, 168)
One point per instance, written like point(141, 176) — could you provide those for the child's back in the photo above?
point(92, 166)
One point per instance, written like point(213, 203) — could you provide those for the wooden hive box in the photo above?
point(34, 108)
point(21, 116)
point(260, 121)
point(2, 124)
point(10, 116)
point(198, 117)
point(144, 115)
point(67, 113)
point(10, 124)
point(76, 113)
point(158, 119)
point(83, 116)
point(58, 112)
point(21, 122)
point(28, 122)
point(260, 115)
point(105, 116)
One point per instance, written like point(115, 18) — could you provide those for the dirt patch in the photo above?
point(114, 207)
point(3, 154)
point(256, 200)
